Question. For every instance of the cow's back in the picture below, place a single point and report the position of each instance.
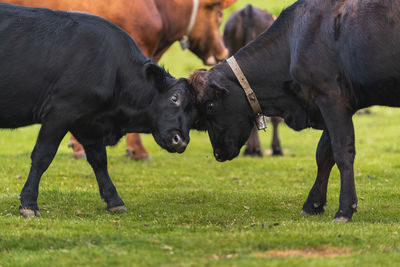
(47, 57)
(355, 41)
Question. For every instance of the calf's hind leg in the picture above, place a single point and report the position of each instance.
(317, 197)
(47, 143)
(97, 157)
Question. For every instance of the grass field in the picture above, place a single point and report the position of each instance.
(189, 210)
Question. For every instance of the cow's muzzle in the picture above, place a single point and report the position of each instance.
(222, 155)
(177, 143)
(214, 59)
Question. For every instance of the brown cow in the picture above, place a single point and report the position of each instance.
(155, 25)
(242, 27)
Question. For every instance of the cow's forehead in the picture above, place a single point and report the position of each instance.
(179, 87)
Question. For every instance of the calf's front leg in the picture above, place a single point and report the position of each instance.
(97, 157)
(338, 120)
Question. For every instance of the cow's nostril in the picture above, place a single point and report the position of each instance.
(177, 143)
(176, 139)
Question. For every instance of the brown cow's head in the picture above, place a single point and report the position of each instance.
(205, 39)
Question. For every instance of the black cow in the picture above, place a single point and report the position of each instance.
(243, 26)
(318, 64)
(80, 73)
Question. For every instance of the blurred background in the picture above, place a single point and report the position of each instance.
(182, 63)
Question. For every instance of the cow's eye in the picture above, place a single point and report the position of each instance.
(210, 107)
(220, 17)
(211, 6)
(174, 99)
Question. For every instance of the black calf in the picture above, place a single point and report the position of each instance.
(80, 73)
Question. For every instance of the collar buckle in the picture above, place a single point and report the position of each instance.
(261, 122)
(260, 119)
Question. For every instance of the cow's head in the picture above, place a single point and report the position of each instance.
(224, 110)
(205, 38)
(172, 111)
(227, 115)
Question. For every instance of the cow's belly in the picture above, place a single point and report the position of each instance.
(14, 114)
(18, 106)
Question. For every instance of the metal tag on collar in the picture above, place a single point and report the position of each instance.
(185, 42)
(261, 122)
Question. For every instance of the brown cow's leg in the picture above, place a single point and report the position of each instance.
(135, 148)
(276, 144)
(253, 147)
(79, 152)
(317, 197)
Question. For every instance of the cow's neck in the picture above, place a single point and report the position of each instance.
(175, 17)
(134, 104)
(266, 64)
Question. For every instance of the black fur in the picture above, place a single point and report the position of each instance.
(80, 73)
(320, 62)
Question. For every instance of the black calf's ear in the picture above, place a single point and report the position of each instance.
(155, 74)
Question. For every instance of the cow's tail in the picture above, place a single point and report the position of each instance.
(247, 24)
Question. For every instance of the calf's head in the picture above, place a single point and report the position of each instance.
(224, 109)
(172, 110)
(205, 38)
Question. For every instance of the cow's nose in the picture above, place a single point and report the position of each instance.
(210, 61)
(177, 144)
(219, 155)
(223, 55)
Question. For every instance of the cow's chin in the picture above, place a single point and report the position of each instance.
(161, 141)
(172, 141)
(222, 155)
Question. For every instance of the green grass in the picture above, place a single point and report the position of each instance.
(189, 210)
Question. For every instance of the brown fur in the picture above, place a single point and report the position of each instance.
(198, 81)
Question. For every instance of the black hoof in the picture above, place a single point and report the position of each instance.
(252, 153)
(118, 209)
(341, 220)
(345, 215)
(312, 209)
(29, 212)
(277, 152)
